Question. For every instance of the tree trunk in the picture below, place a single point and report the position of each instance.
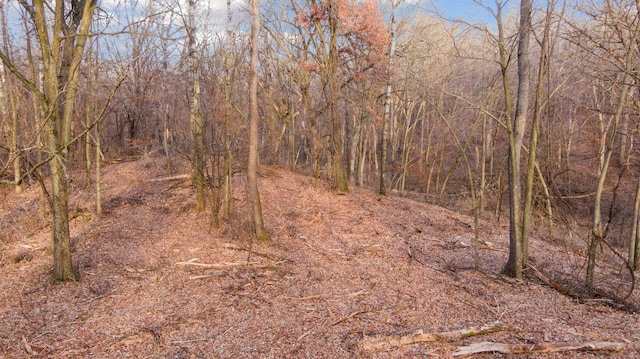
(292, 134)
(87, 136)
(9, 106)
(98, 164)
(543, 66)
(227, 171)
(517, 262)
(195, 113)
(339, 170)
(387, 103)
(252, 180)
(633, 246)
(62, 47)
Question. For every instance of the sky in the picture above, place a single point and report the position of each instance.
(466, 10)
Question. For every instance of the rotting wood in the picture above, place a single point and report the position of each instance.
(388, 341)
(488, 347)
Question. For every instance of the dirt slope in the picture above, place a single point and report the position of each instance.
(338, 268)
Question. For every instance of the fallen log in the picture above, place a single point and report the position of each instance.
(216, 265)
(561, 288)
(387, 341)
(171, 178)
(488, 347)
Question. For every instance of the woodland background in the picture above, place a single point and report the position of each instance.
(386, 94)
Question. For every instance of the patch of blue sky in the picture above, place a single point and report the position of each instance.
(472, 11)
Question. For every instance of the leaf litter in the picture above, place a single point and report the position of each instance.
(159, 280)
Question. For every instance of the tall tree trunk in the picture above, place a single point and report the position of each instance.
(89, 100)
(227, 171)
(96, 140)
(543, 66)
(305, 84)
(195, 113)
(517, 262)
(87, 138)
(336, 122)
(387, 102)
(252, 180)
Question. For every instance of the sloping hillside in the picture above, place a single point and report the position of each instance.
(341, 271)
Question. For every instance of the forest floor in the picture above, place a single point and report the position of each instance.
(340, 274)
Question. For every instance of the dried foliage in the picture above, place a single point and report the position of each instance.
(157, 280)
(359, 20)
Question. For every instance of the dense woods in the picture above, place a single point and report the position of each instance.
(526, 113)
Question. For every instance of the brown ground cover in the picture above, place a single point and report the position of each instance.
(159, 281)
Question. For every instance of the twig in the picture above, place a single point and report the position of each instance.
(349, 317)
(304, 335)
(188, 341)
(259, 254)
(319, 296)
(201, 276)
(27, 347)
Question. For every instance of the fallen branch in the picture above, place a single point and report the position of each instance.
(561, 288)
(319, 296)
(384, 341)
(488, 347)
(172, 178)
(216, 265)
(264, 255)
(349, 316)
(201, 276)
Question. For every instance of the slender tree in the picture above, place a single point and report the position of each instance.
(9, 106)
(252, 166)
(227, 188)
(195, 111)
(597, 227)
(387, 100)
(337, 125)
(516, 130)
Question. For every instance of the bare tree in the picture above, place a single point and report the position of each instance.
(598, 231)
(516, 129)
(9, 106)
(62, 40)
(387, 99)
(227, 188)
(252, 166)
(195, 111)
